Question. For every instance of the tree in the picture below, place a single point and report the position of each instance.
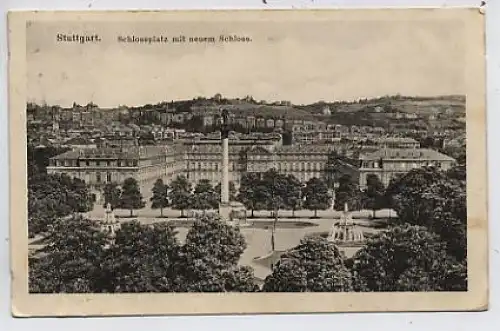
(274, 190)
(332, 171)
(403, 192)
(233, 194)
(112, 195)
(79, 197)
(180, 194)
(437, 200)
(458, 172)
(204, 196)
(54, 196)
(293, 198)
(347, 192)
(208, 261)
(38, 158)
(316, 265)
(373, 196)
(70, 258)
(448, 201)
(160, 196)
(316, 195)
(141, 259)
(251, 194)
(131, 197)
(406, 258)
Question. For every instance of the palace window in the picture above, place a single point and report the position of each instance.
(108, 177)
(98, 177)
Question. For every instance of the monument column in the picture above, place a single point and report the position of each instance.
(224, 197)
(224, 206)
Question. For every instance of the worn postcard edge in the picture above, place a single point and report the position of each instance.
(476, 298)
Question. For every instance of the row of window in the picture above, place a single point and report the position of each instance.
(400, 165)
(285, 156)
(293, 166)
(108, 163)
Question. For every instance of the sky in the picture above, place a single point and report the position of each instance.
(299, 61)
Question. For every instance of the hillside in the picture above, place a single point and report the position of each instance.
(419, 105)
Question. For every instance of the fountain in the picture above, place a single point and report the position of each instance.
(346, 232)
(109, 224)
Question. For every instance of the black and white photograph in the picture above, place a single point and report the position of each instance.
(251, 154)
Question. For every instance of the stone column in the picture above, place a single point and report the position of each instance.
(224, 197)
(224, 207)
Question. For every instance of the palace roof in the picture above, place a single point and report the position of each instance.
(305, 149)
(134, 152)
(406, 154)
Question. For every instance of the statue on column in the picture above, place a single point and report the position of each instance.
(224, 123)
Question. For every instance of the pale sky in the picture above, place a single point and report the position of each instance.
(303, 62)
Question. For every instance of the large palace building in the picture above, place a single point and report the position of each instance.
(388, 163)
(201, 159)
(99, 166)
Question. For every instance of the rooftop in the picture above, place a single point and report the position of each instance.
(305, 149)
(135, 152)
(405, 154)
(395, 140)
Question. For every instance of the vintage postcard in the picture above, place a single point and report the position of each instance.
(237, 162)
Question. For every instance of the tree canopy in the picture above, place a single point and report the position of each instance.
(250, 194)
(180, 194)
(407, 258)
(316, 194)
(233, 193)
(54, 196)
(204, 196)
(69, 259)
(315, 265)
(112, 195)
(159, 200)
(131, 197)
(347, 192)
(373, 196)
(293, 195)
(78, 258)
(141, 259)
(208, 260)
(434, 199)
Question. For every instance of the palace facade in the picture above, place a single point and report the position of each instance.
(202, 160)
(99, 166)
(387, 163)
